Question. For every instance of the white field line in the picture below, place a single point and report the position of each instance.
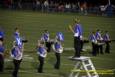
(30, 72)
(25, 58)
(85, 48)
(30, 59)
(65, 48)
(35, 72)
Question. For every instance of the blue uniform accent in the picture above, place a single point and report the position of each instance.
(78, 29)
(60, 36)
(57, 46)
(92, 37)
(106, 37)
(46, 36)
(41, 50)
(18, 39)
(16, 35)
(2, 49)
(2, 34)
(98, 36)
(14, 52)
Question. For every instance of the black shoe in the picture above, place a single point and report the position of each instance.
(14, 75)
(40, 71)
(56, 67)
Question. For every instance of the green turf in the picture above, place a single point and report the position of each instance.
(31, 26)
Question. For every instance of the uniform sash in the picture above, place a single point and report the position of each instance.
(16, 53)
(42, 51)
(57, 47)
(60, 36)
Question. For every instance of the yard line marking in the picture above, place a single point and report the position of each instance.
(23, 71)
(25, 58)
(65, 48)
(85, 48)
(35, 72)
(8, 60)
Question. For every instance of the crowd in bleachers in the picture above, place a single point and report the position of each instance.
(55, 6)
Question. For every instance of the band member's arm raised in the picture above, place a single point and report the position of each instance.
(71, 28)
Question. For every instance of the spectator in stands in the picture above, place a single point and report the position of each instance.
(37, 4)
(74, 7)
(61, 8)
(102, 9)
(19, 4)
(67, 7)
(83, 8)
(46, 6)
(109, 9)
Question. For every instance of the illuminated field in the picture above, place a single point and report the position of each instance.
(31, 26)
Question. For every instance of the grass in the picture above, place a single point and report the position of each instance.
(31, 26)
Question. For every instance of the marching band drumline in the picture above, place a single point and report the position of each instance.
(45, 44)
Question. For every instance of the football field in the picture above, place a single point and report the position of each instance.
(32, 24)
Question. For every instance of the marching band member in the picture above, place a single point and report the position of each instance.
(2, 49)
(106, 39)
(1, 35)
(94, 43)
(46, 38)
(100, 42)
(17, 52)
(60, 36)
(18, 39)
(57, 47)
(42, 52)
(77, 31)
